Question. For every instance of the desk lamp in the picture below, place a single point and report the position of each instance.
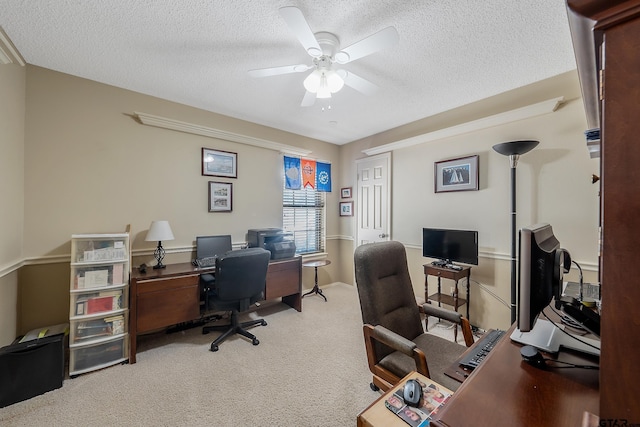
(514, 149)
(159, 230)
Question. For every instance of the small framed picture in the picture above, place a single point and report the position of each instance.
(220, 196)
(219, 163)
(346, 208)
(456, 174)
(345, 192)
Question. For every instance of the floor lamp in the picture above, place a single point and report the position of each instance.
(514, 149)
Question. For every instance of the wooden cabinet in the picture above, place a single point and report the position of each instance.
(99, 295)
(284, 279)
(616, 40)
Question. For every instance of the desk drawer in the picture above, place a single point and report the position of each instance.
(283, 278)
(155, 285)
(166, 306)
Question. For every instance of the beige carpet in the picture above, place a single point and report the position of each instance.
(310, 369)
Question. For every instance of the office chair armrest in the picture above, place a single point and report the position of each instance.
(396, 342)
(393, 340)
(442, 313)
(451, 316)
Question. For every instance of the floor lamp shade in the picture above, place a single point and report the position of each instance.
(159, 231)
(514, 149)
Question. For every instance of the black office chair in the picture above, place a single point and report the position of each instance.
(240, 278)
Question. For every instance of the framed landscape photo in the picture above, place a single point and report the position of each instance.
(219, 163)
(456, 174)
(345, 193)
(346, 208)
(220, 196)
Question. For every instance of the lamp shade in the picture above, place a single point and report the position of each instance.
(515, 147)
(159, 230)
(323, 82)
(312, 82)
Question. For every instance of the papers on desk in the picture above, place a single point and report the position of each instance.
(434, 396)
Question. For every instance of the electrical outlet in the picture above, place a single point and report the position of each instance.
(452, 290)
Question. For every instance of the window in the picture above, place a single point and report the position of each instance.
(303, 215)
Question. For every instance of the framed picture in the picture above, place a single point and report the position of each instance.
(346, 208)
(456, 174)
(219, 163)
(345, 193)
(220, 196)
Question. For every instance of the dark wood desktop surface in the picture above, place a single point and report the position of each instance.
(506, 391)
(169, 296)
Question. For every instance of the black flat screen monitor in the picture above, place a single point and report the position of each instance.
(450, 245)
(540, 273)
(212, 246)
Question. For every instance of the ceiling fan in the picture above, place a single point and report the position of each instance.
(325, 50)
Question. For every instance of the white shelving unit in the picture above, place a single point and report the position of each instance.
(99, 301)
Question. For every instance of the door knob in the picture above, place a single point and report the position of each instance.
(383, 235)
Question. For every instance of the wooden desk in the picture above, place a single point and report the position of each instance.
(442, 297)
(504, 390)
(168, 296)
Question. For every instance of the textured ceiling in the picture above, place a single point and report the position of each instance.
(198, 52)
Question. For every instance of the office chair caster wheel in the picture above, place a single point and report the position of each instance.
(255, 341)
(214, 347)
(374, 387)
(264, 323)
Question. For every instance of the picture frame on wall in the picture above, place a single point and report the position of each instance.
(220, 196)
(345, 192)
(219, 163)
(346, 208)
(459, 174)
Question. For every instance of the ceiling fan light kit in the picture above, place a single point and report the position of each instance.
(325, 50)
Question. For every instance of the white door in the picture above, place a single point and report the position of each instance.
(373, 199)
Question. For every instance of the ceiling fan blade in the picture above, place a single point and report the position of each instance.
(299, 26)
(308, 100)
(358, 83)
(274, 71)
(381, 40)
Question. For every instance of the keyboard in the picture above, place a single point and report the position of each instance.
(206, 262)
(482, 349)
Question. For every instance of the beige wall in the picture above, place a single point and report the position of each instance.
(553, 185)
(89, 167)
(12, 111)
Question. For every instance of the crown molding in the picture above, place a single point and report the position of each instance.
(8, 52)
(527, 112)
(171, 124)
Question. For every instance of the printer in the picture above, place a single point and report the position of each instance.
(278, 242)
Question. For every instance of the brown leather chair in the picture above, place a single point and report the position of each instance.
(395, 339)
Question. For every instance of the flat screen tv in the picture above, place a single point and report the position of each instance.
(449, 246)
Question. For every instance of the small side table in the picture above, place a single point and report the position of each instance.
(443, 298)
(315, 265)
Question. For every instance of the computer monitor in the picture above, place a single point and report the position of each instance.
(539, 274)
(212, 246)
(450, 245)
(542, 264)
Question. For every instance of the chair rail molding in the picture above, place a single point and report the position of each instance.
(529, 111)
(171, 124)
